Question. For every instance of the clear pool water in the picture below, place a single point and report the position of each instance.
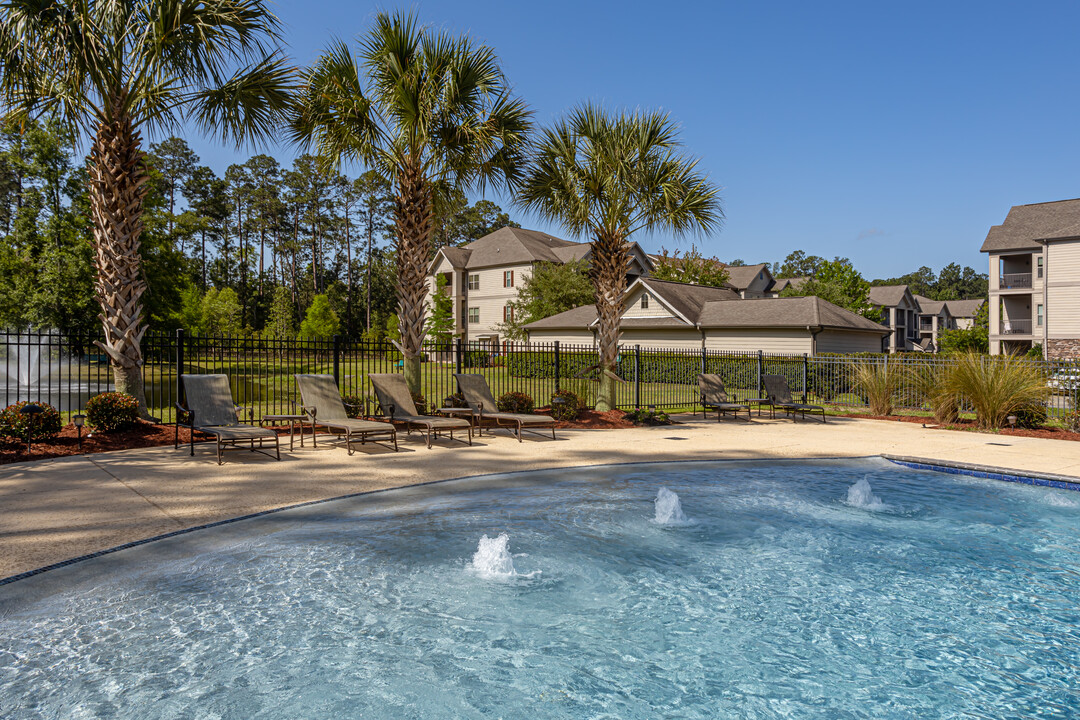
(777, 594)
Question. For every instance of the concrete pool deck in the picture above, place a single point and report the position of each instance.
(54, 510)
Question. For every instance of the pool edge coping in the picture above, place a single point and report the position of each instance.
(1065, 482)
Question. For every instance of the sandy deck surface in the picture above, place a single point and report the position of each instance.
(54, 510)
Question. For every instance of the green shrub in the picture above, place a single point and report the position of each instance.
(112, 412)
(515, 402)
(1031, 417)
(15, 425)
(569, 409)
(1072, 421)
(996, 387)
(641, 416)
(931, 382)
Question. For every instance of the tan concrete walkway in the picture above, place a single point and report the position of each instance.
(54, 510)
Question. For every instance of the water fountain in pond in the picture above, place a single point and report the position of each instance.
(493, 559)
(34, 367)
(860, 495)
(668, 508)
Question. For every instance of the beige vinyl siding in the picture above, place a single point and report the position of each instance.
(841, 341)
(492, 297)
(655, 309)
(565, 337)
(1062, 290)
(662, 339)
(773, 341)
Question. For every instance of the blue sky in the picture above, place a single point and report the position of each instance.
(892, 133)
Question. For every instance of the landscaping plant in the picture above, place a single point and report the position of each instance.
(878, 382)
(642, 416)
(515, 402)
(996, 387)
(932, 383)
(569, 409)
(354, 405)
(112, 412)
(15, 424)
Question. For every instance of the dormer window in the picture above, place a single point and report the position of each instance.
(645, 301)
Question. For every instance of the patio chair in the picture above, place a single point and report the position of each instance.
(779, 396)
(396, 403)
(322, 402)
(478, 397)
(210, 409)
(715, 397)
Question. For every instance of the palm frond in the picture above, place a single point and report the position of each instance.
(250, 105)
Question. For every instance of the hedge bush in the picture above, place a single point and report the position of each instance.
(354, 405)
(569, 409)
(641, 416)
(112, 412)
(515, 402)
(43, 425)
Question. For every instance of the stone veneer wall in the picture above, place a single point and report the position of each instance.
(1063, 349)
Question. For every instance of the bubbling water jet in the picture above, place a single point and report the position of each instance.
(492, 559)
(668, 508)
(860, 495)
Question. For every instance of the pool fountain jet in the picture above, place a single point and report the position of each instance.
(860, 495)
(668, 508)
(493, 559)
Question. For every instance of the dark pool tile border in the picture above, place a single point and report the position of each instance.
(987, 472)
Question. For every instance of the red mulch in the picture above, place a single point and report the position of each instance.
(593, 420)
(1049, 433)
(143, 434)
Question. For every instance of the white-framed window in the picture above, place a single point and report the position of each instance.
(1039, 266)
(474, 281)
(508, 313)
(508, 278)
(474, 315)
(645, 301)
(1039, 311)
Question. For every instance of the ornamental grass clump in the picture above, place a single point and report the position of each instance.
(931, 382)
(18, 425)
(997, 387)
(515, 402)
(878, 382)
(112, 412)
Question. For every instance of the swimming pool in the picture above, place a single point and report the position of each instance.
(813, 589)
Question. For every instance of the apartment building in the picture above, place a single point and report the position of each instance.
(484, 277)
(1034, 261)
(900, 313)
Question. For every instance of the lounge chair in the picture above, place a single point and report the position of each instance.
(396, 403)
(779, 396)
(210, 409)
(322, 402)
(485, 410)
(714, 397)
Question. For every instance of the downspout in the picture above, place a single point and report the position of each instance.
(813, 338)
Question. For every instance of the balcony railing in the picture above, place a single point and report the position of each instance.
(1015, 327)
(1014, 281)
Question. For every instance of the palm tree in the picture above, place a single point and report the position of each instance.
(607, 176)
(426, 110)
(111, 68)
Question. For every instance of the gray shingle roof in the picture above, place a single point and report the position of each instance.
(515, 246)
(722, 308)
(785, 313)
(458, 257)
(784, 283)
(740, 276)
(887, 295)
(1026, 224)
(965, 308)
(687, 299)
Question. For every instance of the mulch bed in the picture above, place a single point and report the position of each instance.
(1049, 433)
(143, 434)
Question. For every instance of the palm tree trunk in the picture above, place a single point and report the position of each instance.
(413, 215)
(117, 190)
(610, 260)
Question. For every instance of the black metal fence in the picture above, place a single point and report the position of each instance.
(65, 371)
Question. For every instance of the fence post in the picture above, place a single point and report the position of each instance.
(760, 371)
(805, 375)
(637, 377)
(457, 355)
(179, 364)
(337, 360)
(558, 368)
(703, 360)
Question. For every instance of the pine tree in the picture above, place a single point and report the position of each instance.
(281, 325)
(321, 322)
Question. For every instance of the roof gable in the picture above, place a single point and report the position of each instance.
(740, 277)
(891, 295)
(1026, 225)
